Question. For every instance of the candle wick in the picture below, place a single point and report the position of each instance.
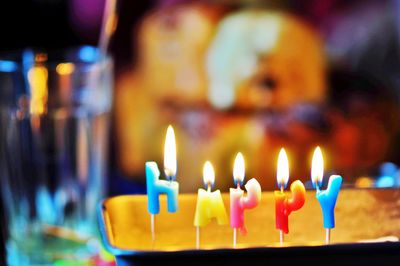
(238, 185)
(282, 188)
(168, 174)
(170, 178)
(209, 187)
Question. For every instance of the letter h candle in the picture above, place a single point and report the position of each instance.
(155, 186)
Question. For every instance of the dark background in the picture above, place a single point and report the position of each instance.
(55, 24)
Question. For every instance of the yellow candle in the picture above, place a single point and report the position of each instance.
(209, 204)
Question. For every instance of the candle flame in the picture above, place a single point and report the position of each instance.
(238, 168)
(282, 173)
(208, 174)
(317, 167)
(170, 154)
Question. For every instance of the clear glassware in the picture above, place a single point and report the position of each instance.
(54, 123)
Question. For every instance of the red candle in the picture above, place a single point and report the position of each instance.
(284, 204)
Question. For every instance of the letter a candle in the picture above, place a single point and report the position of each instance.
(328, 197)
(283, 204)
(155, 186)
(209, 204)
(238, 203)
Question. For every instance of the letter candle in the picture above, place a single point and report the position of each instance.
(155, 186)
(327, 198)
(283, 204)
(238, 203)
(209, 204)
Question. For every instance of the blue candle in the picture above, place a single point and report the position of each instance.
(327, 198)
(155, 187)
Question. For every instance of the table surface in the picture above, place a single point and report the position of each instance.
(361, 214)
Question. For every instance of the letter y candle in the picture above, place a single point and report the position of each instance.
(327, 198)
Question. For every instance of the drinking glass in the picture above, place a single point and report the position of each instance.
(54, 121)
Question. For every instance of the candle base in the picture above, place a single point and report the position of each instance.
(234, 237)
(281, 237)
(197, 237)
(327, 236)
(152, 228)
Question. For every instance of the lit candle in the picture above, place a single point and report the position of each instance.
(238, 203)
(209, 204)
(155, 186)
(327, 198)
(283, 204)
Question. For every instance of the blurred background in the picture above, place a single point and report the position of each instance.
(250, 76)
(238, 75)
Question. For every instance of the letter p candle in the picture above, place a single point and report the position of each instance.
(238, 202)
(284, 204)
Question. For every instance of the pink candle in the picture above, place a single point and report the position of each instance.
(239, 202)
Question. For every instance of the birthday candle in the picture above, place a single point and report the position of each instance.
(327, 198)
(238, 202)
(155, 186)
(209, 204)
(284, 204)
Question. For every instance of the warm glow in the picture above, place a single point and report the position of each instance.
(282, 173)
(238, 168)
(37, 77)
(170, 154)
(317, 167)
(40, 57)
(65, 68)
(208, 174)
(364, 182)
